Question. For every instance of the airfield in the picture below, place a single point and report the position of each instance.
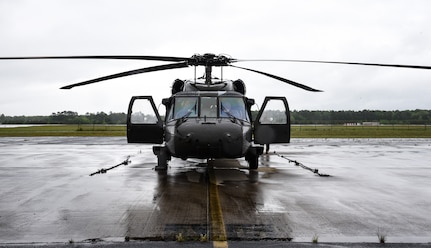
(370, 189)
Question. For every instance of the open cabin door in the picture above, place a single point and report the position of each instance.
(272, 124)
(144, 124)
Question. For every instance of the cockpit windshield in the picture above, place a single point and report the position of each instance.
(232, 107)
(185, 107)
(208, 107)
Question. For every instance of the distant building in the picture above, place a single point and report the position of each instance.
(371, 123)
(352, 124)
(365, 123)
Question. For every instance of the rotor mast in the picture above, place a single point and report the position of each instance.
(209, 60)
(208, 71)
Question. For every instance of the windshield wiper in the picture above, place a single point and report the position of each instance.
(186, 116)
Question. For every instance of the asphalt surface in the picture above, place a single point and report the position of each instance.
(375, 187)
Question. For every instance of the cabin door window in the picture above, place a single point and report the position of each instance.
(144, 124)
(272, 124)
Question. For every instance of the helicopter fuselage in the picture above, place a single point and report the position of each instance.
(208, 124)
(207, 121)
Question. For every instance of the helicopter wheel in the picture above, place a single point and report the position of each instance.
(252, 157)
(253, 161)
(162, 159)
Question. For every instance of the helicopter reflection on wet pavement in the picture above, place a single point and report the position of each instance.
(47, 194)
(184, 203)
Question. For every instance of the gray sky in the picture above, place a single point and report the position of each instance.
(376, 31)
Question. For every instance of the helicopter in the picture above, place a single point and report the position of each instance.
(206, 117)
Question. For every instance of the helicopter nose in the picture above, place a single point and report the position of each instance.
(210, 138)
(209, 141)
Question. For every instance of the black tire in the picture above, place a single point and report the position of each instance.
(162, 160)
(253, 161)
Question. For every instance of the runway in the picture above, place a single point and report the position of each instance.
(376, 187)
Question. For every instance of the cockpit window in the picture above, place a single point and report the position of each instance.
(185, 107)
(233, 107)
(208, 106)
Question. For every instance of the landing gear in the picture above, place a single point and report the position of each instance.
(253, 161)
(252, 157)
(163, 156)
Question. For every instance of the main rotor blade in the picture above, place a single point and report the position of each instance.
(305, 87)
(128, 57)
(129, 73)
(338, 62)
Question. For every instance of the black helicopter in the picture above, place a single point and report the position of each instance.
(207, 118)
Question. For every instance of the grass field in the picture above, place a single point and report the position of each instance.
(303, 131)
(340, 131)
(63, 130)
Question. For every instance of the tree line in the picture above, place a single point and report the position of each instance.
(408, 117)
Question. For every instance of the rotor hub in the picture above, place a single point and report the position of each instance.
(209, 59)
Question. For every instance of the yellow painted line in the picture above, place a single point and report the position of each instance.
(218, 230)
(220, 244)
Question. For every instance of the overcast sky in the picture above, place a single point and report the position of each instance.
(376, 31)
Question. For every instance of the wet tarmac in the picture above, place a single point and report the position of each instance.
(376, 187)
